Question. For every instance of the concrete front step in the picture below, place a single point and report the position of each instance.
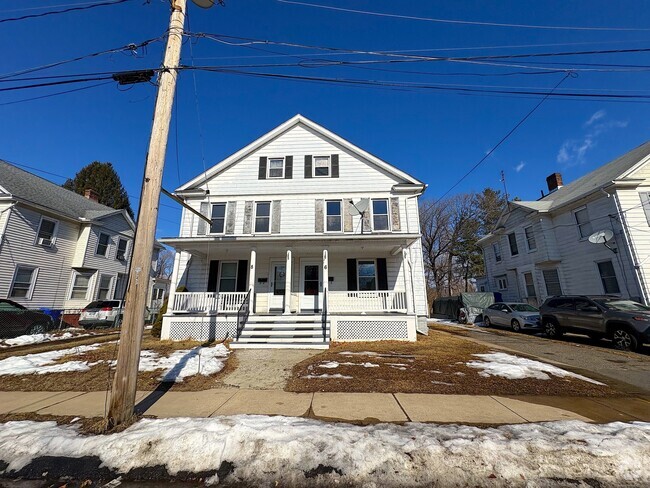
(293, 319)
(279, 345)
(282, 331)
(279, 338)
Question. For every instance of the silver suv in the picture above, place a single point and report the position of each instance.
(624, 321)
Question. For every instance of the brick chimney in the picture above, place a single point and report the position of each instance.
(91, 194)
(554, 181)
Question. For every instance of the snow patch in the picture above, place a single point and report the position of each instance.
(44, 362)
(516, 368)
(442, 383)
(27, 339)
(326, 376)
(334, 364)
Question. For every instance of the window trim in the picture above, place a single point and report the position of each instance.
(108, 244)
(578, 225)
(236, 263)
(372, 215)
(270, 217)
(329, 167)
(126, 249)
(32, 284)
(514, 234)
(225, 216)
(498, 279)
(374, 262)
(76, 273)
(340, 215)
(268, 167)
(602, 283)
(110, 286)
(532, 236)
(497, 257)
(55, 232)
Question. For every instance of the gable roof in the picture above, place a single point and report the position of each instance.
(282, 128)
(30, 188)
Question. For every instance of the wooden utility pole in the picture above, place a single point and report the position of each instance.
(128, 356)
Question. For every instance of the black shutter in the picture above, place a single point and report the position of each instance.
(261, 175)
(335, 165)
(352, 275)
(382, 274)
(288, 167)
(213, 276)
(242, 274)
(308, 167)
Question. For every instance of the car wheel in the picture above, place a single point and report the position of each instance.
(37, 329)
(486, 321)
(624, 340)
(552, 329)
(516, 326)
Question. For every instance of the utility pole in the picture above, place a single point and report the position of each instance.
(128, 356)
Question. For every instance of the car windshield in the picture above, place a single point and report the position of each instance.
(523, 307)
(621, 305)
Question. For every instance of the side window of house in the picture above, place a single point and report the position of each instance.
(104, 289)
(367, 275)
(276, 168)
(530, 238)
(218, 217)
(322, 166)
(380, 214)
(552, 281)
(512, 240)
(334, 219)
(582, 221)
(122, 244)
(263, 217)
(46, 232)
(103, 241)
(608, 277)
(530, 285)
(502, 282)
(496, 247)
(80, 283)
(24, 281)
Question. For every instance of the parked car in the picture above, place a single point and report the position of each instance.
(101, 313)
(518, 316)
(16, 320)
(626, 322)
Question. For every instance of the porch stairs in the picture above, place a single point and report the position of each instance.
(284, 332)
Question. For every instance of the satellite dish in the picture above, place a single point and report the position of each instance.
(204, 3)
(359, 207)
(601, 236)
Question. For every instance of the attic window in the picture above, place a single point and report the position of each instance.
(321, 166)
(276, 168)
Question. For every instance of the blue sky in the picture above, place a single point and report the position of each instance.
(435, 135)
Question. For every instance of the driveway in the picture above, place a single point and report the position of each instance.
(577, 352)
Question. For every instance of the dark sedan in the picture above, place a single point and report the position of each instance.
(16, 320)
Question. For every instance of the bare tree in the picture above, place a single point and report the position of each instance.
(165, 264)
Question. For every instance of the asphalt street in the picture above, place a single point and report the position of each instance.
(578, 352)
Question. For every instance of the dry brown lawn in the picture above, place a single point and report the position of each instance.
(433, 364)
(99, 376)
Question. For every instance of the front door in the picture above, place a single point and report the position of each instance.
(310, 287)
(277, 284)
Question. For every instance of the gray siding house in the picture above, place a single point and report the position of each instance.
(541, 248)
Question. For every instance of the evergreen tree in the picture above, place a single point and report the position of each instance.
(102, 178)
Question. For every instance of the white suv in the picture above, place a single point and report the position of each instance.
(101, 313)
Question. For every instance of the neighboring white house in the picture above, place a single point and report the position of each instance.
(59, 250)
(541, 248)
(287, 260)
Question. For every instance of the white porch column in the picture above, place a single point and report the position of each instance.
(406, 268)
(251, 272)
(287, 285)
(326, 278)
(174, 283)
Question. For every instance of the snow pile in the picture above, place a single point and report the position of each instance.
(282, 451)
(187, 362)
(516, 368)
(24, 340)
(44, 362)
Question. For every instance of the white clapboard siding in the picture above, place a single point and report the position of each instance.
(638, 229)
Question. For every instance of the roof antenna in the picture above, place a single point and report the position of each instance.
(505, 188)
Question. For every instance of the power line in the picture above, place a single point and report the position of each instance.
(64, 11)
(504, 138)
(463, 22)
(56, 94)
(43, 7)
(54, 83)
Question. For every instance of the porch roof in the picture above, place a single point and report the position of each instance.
(203, 244)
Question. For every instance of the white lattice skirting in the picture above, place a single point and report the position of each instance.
(373, 329)
(204, 329)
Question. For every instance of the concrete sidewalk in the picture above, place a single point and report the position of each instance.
(350, 407)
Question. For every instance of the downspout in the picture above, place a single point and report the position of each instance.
(630, 245)
(3, 230)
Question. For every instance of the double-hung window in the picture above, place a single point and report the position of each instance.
(530, 238)
(322, 166)
(367, 275)
(103, 242)
(380, 214)
(582, 220)
(24, 280)
(552, 281)
(334, 219)
(608, 277)
(496, 247)
(530, 285)
(104, 288)
(122, 244)
(218, 218)
(502, 282)
(263, 217)
(46, 232)
(228, 277)
(512, 240)
(276, 168)
(80, 283)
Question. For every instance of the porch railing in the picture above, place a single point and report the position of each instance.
(208, 301)
(242, 314)
(366, 301)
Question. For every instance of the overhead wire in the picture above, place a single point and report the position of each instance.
(64, 11)
(49, 95)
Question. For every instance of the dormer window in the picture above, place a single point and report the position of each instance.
(276, 168)
(322, 165)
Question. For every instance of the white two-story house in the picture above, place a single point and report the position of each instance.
(542, 248)
(308, 239)
(59, 250)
